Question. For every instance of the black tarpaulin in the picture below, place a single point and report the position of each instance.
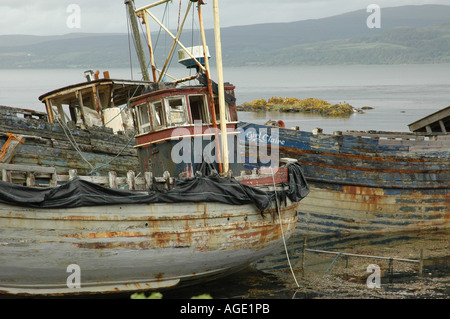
(78, 193)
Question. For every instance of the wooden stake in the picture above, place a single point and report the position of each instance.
(303, 256)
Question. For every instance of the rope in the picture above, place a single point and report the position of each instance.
(103, 165)
(329, 267)
(74, 143)
(282, 232)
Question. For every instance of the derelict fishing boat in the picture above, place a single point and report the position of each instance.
(80, 237)
(372, 181)
(87, 127)
(125, 241)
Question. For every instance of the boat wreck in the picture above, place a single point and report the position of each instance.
(370, 181)
(92, 234)
(87, 127)
(124, 241)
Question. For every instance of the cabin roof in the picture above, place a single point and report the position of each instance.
(121, 89)
(436, 122)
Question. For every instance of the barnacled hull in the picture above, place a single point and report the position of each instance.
(122, 248)
(369, 182)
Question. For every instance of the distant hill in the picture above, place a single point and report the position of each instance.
(408, 34)
(402, 45)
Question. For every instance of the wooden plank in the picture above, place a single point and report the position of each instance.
(430, 119)
(28, 168)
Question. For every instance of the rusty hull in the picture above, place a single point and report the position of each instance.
(133, 247)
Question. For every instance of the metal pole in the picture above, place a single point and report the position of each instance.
(220, 83)
(365, 256)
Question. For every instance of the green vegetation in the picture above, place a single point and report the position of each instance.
(294, 105)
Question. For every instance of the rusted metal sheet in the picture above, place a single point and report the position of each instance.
(363, 182)
(133, 247)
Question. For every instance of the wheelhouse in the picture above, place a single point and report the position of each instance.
(180, 107)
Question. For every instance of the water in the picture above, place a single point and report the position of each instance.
(399, 94)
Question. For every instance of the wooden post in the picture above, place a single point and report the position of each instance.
(303, 257)
(166, 176)
(148, 176)
(112, 180)
(51, 116)
(220, 83)
(137, 39)
(421, 263)
(131, 180)
(149, 43)
(30, 179)
(346, 268)
(391, 269)
(54, 179)
(210, 100)
(73, 173)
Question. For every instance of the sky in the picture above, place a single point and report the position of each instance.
(57, 17)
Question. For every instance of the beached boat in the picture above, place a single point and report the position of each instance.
(93, 135)
(80, 237)
(371, 181)
(123, 241)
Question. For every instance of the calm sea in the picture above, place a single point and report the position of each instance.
(399, 94)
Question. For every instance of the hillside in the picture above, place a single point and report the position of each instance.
(401, 45)
(409, 34)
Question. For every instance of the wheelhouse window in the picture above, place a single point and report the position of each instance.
(176, 110)
(227, 110)
(158, 115)
(199, 108)
(143, 118)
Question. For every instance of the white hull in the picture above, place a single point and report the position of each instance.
(132, 247)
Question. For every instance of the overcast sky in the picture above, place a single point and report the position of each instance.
(50, 17)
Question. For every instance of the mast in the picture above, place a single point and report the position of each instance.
(209, 85)
(137, 39)
(220, 83)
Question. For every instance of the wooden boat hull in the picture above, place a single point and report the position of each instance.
(364, 183)
(49, 144)
(357, 209)
(124, 248)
